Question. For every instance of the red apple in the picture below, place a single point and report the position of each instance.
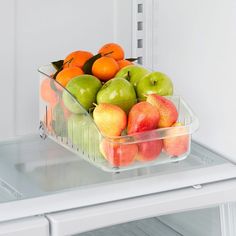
(142, 116)
(149, 151)
(118, 154)
(178, 144)
(166, 108)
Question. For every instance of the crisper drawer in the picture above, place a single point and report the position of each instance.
(94, 217)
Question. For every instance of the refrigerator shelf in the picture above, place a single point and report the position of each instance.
(44, 171)
(36, 167)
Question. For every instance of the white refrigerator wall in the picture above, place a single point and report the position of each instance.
(195, 43)
(37, 32)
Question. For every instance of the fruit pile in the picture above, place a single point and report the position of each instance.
(125, 99)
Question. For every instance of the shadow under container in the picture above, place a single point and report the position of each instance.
(79, 134)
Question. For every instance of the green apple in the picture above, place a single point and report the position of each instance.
(118, 91)
(59, 122)
(83, 89)
(84, 134)
(132, 73)
(155, 82)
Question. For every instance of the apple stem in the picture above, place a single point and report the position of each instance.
(154, 82)
(128, 75)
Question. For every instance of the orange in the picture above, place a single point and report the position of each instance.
(105, 68)
(47, 93)
(123, 63)
(77, 59)
(64, 76)
(113, 50)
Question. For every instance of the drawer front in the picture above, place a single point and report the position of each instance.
(37, 226)
(94, 217)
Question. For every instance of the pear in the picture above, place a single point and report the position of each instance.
(142, 117)
(166, 108)
(110, 119)
(149, 151)
(177, 144)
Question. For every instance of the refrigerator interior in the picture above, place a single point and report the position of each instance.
(193, 42)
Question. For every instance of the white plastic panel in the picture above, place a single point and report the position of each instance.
(194, 42)
(37, 226)
(7, 60)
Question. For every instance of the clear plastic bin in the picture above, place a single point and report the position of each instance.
(79, 134)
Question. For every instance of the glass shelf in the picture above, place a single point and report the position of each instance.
(6, 193)
(34, 167)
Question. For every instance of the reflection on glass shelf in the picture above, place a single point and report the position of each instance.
(35, 167)
(7, 193)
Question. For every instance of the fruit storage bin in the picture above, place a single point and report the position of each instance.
(79, 134)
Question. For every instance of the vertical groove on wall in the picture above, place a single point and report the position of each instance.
(15, 70)
(153, 14)
(155, 36)
(139, 29)
(142, 35)
(115, 20)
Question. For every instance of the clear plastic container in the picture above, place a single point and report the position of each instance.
(79, 134)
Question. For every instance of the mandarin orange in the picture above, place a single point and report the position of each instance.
(47, 93)
(113, 50)
(105, 68)
(64, 76)
(123, 63)
(77, 59)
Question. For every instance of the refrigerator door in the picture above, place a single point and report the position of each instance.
(37, 226)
